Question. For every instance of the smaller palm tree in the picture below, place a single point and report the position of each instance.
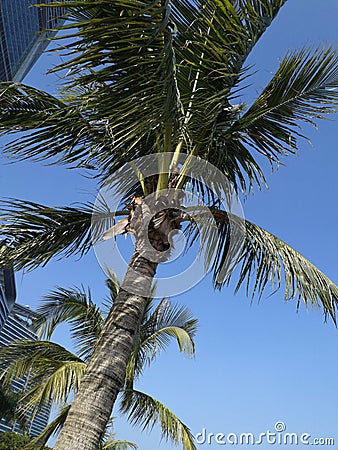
(56, 372)
(107, 440)
(8, 404)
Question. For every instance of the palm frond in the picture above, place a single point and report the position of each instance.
(76, 307)
(35, 233)
(145, 412)
(173, 62)
(53, 128)
(159, 326)
(52, 429)
(213, 41)
(59, 385)
(8, 403)
(113, 286)
(119, 445)
(304, 88)
(263, 259)
(18, 357)
(123, 53)
(54, 372)
(172, 320)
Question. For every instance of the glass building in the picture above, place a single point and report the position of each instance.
(18, 326)
(23, 29)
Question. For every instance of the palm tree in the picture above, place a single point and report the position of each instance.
(10, 408)
(8, 404)
(56, 372)
(107, 440)
(161, 77)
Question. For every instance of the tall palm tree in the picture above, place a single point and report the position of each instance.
(56, 373)
(149, 77)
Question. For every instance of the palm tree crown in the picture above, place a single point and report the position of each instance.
(178, 64)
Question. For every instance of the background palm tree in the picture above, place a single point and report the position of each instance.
(15, 441)
(10, 408)
(108, 441)
(152, 77)
(55, 372)
(8, 404)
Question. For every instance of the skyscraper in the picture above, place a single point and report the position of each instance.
(18, 326)
(22, 35)
(15, 323)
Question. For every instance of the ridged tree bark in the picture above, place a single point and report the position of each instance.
(106, 369)
(105, 374)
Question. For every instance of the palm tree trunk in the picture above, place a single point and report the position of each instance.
(105, 372)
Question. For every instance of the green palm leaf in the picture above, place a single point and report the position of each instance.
(53, 428)
(54, 128)
(157, 329)
(145, 412)
(173, 62)
(54, 371)
(8, 403)
(213, 41)
(113, 285)
(264, 259)
(304, 88)
(122, 42)
(76, 307)
(193, 54)
(118, 445)
(35, 233)
(166, 321)
(110, 35)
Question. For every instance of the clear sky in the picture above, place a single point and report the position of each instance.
(256, 364)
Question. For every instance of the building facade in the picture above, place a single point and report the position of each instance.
(23, 32)
(18, 326)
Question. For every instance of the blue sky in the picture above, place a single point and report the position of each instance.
(256, 363)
